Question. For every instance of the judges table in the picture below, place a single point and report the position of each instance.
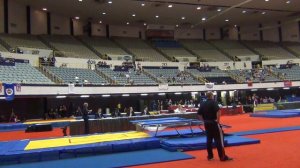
(230, 110)
(120, 123)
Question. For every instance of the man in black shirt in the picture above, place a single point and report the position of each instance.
(210, 114)
(85, 116)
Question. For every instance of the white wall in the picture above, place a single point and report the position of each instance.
(16, 17)
(60, 25)
(213, 34)
(1, 16)
(290, 32)
(249, 33)
(98, 29)
(124, 31)
(38, 22)
(270, 32)
(188, 34)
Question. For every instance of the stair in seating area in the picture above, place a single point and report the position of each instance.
(103, 75)
(5, 45)
(90, 47)
(289, 50)
(49, 75)
(220, 50)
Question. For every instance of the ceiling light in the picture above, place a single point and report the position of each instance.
(227, 20)
(61, 97)
(85, 96)
(161, 94)
(44, 9)
(144, 94)
(77, 17)
(125, 95)
(105, 95)
(253, 90)
(199, 8)
(177, 25)
(142, 4)
(288, 2)
(286, 88)
(103, 13)
(157, 16)
(127, 23)
(244, 11)
(203, 19)
(145, 24)
(80, 0)
(178, 93)
(110, 2)
(219, 10)
(133, 15)
(170, 6)
(270, 88)
(183, 18)
(100, 21)
(267, 0)
(263, 13)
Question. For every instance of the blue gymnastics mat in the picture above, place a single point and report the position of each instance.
(182, 132)
(276, 114)
(111, 160)
(264, 131)
(196, 143)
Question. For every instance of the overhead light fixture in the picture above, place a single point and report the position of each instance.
(103, 13)
(157, 16)
(203, 19)
(288, 2)
(133, 15)
(244, 11)
(253, 90)
(105, 95)
(142, 4)
(110, 2)
(177, 25)
(80, 0)
(145, 24)
(182, 17)
(77, 17)
(267, 0)
(61, 97)
(227, 20)
(170, 6)
(270, 88)
(263, 13)
(178, 93)
(199, 8)
(144, 94)
(127, 23)
(85, 96)
(161, 94)
(44, 9)
(125, 95)
(219, 10)
(286, 88)
(100, 21)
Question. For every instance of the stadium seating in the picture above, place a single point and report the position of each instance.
(259, 75)
(69, 46)
(233, 48)
(214, 75)
(173, 49)
(288, 73)
(133, 78)
(171, 75)
(2, 49)
(204, 50)
(103, 45)
(23, 40)
(269, 50)
(68, 75)
(22, 73)
(293, 46)
(141, 49)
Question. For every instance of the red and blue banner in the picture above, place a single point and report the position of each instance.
(9, 91)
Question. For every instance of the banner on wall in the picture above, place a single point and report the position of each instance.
(9, 91)
(287, 83)
(209, 86)
(18, 87)
(71, 88)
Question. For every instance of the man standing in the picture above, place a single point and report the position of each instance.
(209, 112)
(85, 116)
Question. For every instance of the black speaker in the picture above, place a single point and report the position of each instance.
(39, 128)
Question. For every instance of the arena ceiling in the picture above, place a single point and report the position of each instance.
(189, 13)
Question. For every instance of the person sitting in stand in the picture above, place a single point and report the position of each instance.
(146, 111)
